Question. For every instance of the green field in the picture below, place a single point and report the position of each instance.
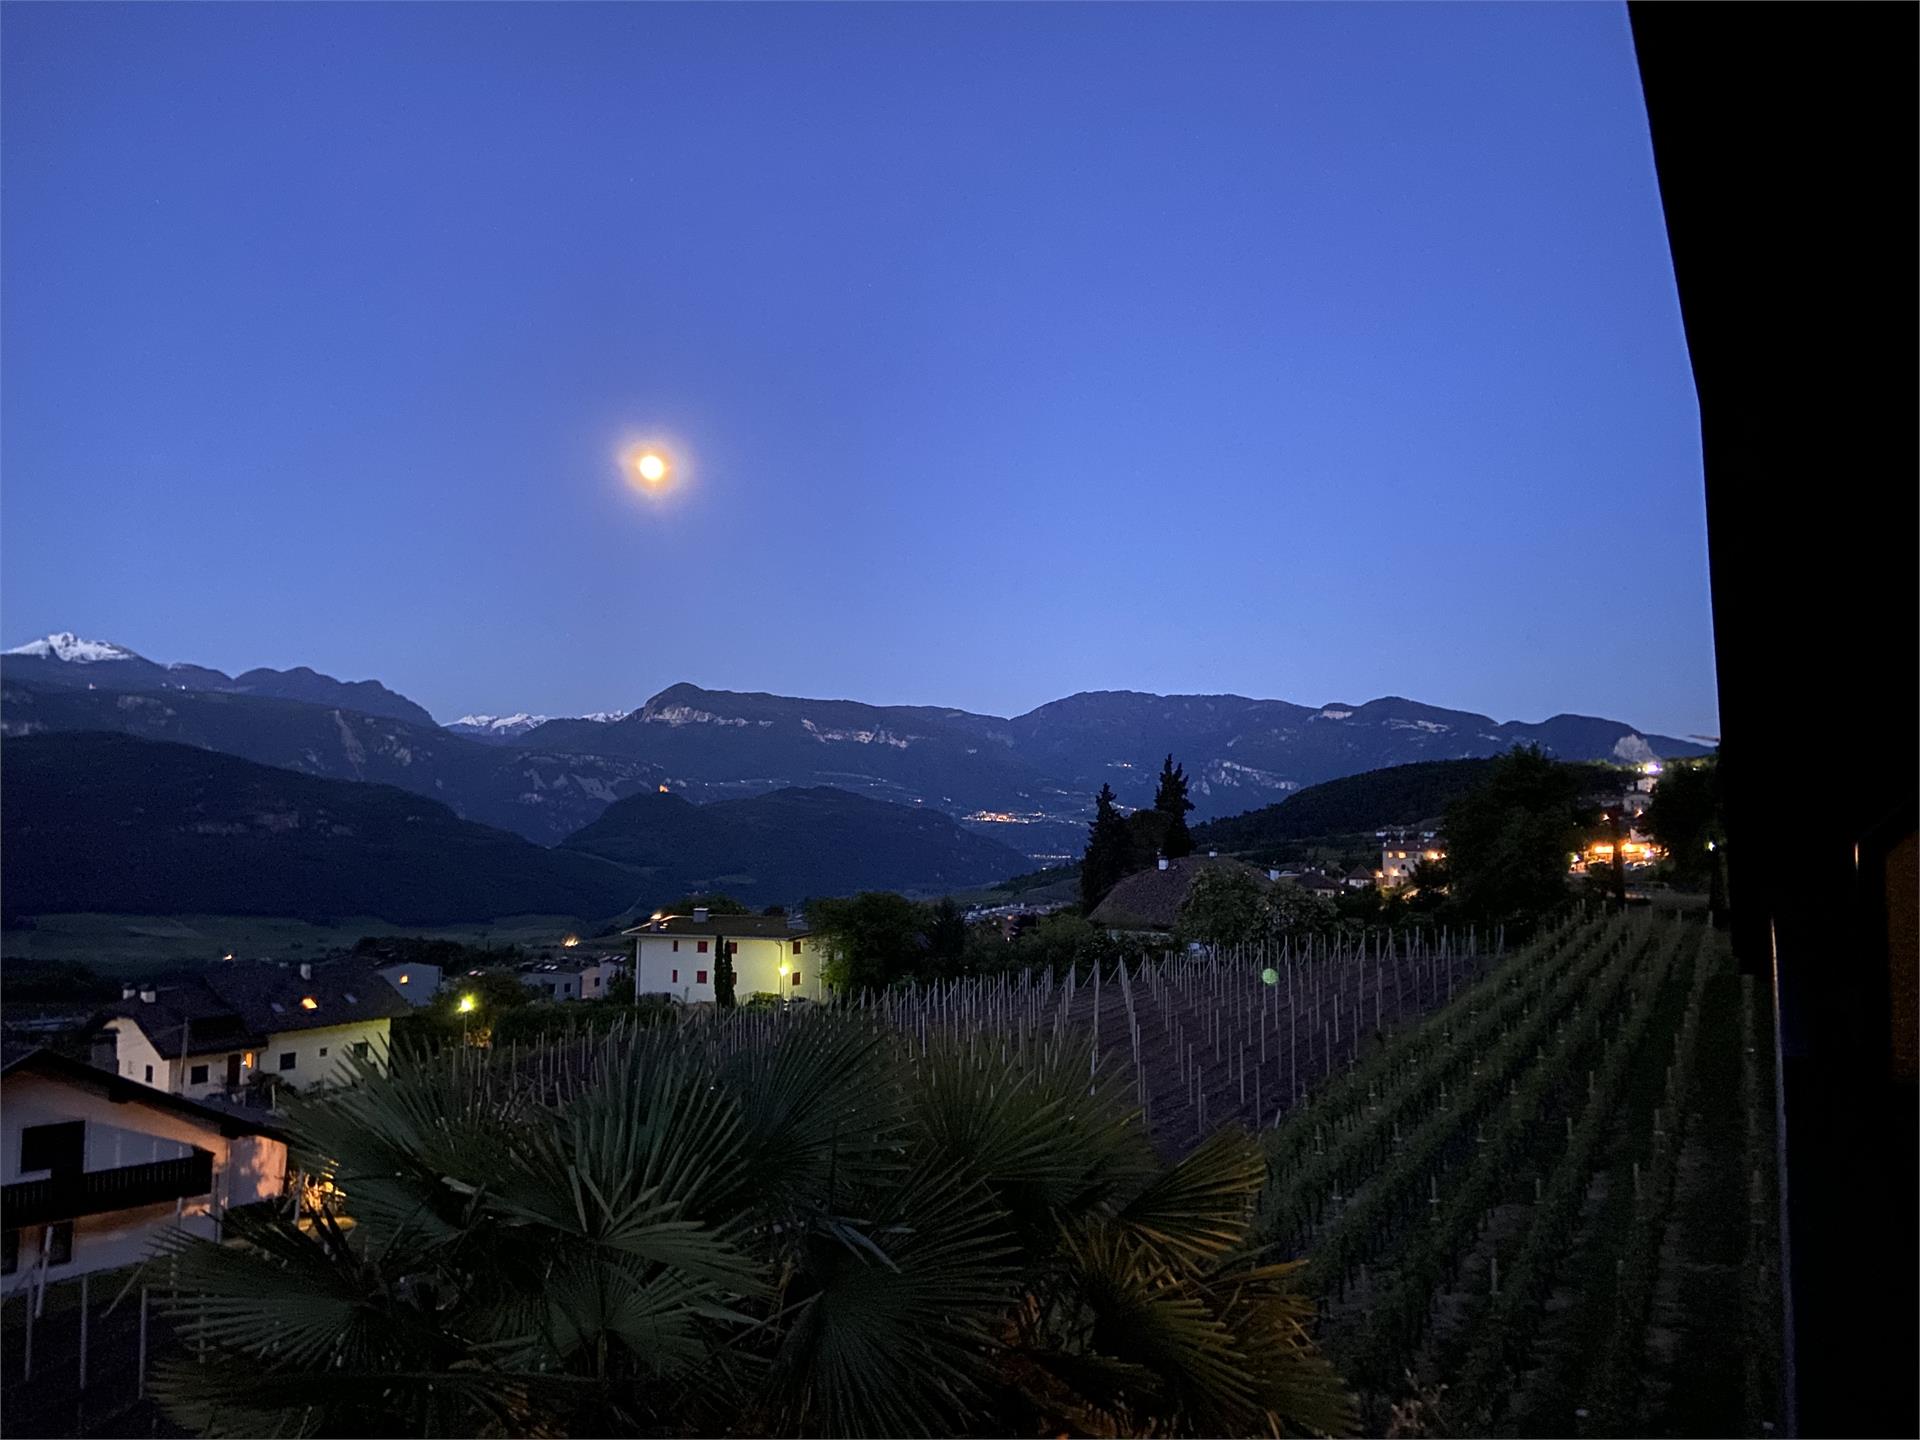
(117, 945)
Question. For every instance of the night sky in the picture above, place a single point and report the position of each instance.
(1312, 352)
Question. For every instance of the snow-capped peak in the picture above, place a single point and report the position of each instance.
(65, 645)
(499, 724)
(522, 722)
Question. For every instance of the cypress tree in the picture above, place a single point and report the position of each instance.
(1171, 801)
(722, 975)
(1105, 861)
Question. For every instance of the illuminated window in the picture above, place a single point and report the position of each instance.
(307, 1002)
(247, 1059)
(403, 979)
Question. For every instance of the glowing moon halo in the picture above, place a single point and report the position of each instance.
(652, 468)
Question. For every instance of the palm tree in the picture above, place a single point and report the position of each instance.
(696, 1230)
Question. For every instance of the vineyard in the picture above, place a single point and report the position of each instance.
(1537, 1209)
(1532, 1188)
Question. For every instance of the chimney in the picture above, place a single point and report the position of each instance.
(1163, 862)
(146, 997)
(699, 914)
(306, 971)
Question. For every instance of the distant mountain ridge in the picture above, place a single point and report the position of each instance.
(1027, 779)
(65, 660)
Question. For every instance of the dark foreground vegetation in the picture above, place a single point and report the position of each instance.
(674, 1232)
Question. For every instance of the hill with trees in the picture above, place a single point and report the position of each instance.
(1373, 800)
(790, 844)
(95, 822)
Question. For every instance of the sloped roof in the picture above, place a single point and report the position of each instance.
(1151, 899)
(228, 1121)
(237, 1005)
(735, 927)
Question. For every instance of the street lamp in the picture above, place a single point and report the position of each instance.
(466, 1008)
(785, 970)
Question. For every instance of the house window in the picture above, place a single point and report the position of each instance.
(60, 1244)
(699, 977)
(360, 1048)
(288, 1059)
(676, 947)
(10, 1254)
(733, 947)
(59, 1147)
(796, 947)
(197, 1075)
(149, 1074)
(796, 977)
(676, 977)
(323, 1052)
(701, 946)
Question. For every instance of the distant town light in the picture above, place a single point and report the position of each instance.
(665, 791)
(571, 941)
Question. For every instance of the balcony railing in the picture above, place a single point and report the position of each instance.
(99, 1192)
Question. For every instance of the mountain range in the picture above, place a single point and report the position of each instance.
(1027, 779)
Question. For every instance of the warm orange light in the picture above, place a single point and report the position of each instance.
(307, 1002)
(571, 941)
(664, 790)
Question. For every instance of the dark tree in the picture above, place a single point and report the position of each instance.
(1685, 817)
(1171, 801)
(723, 975)
(1508, 842)
(871, 939)
(1107, 857)
(946, 938)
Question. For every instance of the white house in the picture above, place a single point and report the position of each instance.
(416, 984)
(94, 1166)
(212, 1034)
(589, 979)
(772, 954)
(1402, 850)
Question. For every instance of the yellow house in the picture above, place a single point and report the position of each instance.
(678, 955)
(212, 1034)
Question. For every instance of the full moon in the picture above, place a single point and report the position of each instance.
(652, 468)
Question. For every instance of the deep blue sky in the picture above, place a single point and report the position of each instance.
(1316, 352)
